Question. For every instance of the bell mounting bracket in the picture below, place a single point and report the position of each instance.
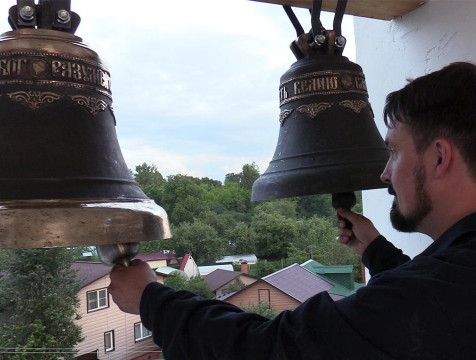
(47, 14)
(318, 40)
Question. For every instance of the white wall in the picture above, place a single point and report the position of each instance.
(436, 34)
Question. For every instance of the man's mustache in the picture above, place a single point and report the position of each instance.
(391, 190)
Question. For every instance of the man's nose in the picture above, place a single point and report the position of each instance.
(385, 176)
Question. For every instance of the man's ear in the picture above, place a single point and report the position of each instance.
(443, 153)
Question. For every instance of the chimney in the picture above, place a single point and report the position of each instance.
(244, 267)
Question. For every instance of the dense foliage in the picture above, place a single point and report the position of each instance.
(263, 309)
(39, 298)
(211, 219)
(196, 285)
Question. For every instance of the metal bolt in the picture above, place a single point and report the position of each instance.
(340, 41)
(63, 16)
(27, 13)
(320, 39)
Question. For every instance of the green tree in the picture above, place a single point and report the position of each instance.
(284, 207)
(210, 182)
(274, 233)
(147, 175)
(264, 267)
(315, 232)
(183, 198)
(40, 293)
(317, 240)
(150, 181)
(178, 281)
(263, 309)
(230, 197)
(200, 239)
(197, 285)
(242, 238)
(249, 173)
(235, 286)
(315, 205)
(221, 222)
(232, 178)
(297, 256)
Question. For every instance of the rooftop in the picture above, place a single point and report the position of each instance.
(204, 270)
(220, 277)
(89, 271)
(239, 259)
(340, 276)
(299, 283)
(155, 256)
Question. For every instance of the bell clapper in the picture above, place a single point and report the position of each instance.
(344, 200)
(118, 254)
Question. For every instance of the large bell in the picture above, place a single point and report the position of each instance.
(328, 141)
(63, 179)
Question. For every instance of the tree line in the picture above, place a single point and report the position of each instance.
(211, 219)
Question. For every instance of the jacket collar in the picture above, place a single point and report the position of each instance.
(452, 235)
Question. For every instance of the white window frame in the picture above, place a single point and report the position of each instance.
(110, 335)
(98, 299)
(144, 332)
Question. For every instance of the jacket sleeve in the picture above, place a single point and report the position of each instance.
(187, 327)
(381, 255)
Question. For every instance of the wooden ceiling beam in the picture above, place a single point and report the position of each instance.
(376, 9)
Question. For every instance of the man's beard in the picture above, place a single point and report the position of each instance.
(411, 221)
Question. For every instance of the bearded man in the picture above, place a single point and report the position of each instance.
(420, 308)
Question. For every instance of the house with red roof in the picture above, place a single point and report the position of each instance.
(285, 289)
(158, 259)
(189, 266)
(108, 332)
(220, 280)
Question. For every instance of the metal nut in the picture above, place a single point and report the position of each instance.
(63, 16)
(27, 13)
(320, 39)
(340, 41)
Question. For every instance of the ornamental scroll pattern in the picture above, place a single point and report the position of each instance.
(34, 99)
(355, 105)
(312, 110)
(91, 104)
(283, 115)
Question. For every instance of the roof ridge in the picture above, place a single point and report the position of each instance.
(280, 270)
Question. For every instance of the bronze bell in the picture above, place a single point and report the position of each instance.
(63, 179)
(328, 142)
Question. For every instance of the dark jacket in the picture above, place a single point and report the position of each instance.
(423, 308)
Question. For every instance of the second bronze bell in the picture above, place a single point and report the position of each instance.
(328, 140)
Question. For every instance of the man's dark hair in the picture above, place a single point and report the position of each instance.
(440, 104)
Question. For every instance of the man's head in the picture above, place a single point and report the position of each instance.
(439, 107)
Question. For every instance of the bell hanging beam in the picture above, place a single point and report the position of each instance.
(328, 141)
(63, 179)
(376, 9)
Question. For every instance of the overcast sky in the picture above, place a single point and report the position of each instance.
(194, 83)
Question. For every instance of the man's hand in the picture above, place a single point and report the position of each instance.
(362, 233)
(128, 284)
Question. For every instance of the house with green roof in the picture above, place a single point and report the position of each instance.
(340, 276)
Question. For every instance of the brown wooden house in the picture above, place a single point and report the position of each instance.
(285, 289)
(220, 280)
